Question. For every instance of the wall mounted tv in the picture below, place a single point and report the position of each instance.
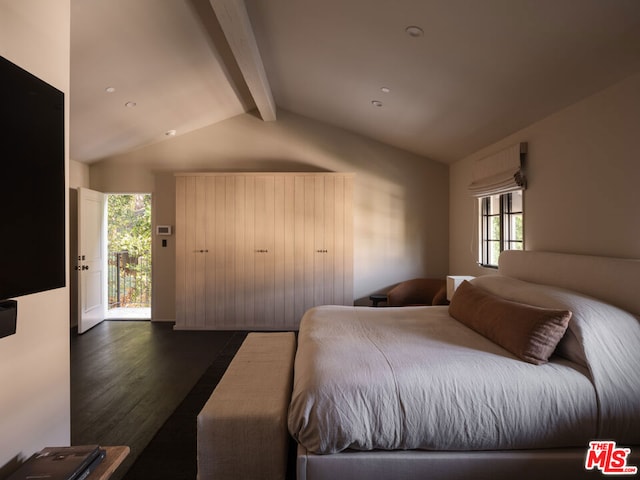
(32, 184)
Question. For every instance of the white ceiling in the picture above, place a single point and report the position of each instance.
(482, 70)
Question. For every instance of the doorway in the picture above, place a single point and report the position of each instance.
(129, 256)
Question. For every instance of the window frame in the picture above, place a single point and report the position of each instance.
(507, 234)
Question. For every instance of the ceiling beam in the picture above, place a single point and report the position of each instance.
(234, 20)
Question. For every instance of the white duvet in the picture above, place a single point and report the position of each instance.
(415, 378)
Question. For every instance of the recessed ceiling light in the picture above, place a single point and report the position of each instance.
(385, 89)
(110, 89)
(414, 31)
(130, 104)
(376, 103)
(170, 133)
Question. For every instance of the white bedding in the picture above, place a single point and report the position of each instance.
(604, 338)
(415, 378)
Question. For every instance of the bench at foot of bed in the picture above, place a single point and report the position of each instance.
(242, 429)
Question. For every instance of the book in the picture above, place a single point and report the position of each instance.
(92, 466)
(59, 463)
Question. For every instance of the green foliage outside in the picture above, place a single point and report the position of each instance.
(129, 239)
(495, 239)
(519, 231)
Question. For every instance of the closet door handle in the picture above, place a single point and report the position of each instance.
(324, 250)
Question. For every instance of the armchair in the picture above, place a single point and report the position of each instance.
(418, 291)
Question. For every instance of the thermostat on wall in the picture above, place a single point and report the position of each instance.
(163, 229)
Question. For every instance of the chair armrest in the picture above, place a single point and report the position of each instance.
(377, 298)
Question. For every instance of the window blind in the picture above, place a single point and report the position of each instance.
(499, 173)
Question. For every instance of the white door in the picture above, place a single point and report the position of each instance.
(92, 259)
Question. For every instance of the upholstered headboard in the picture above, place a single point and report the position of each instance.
(613, 280)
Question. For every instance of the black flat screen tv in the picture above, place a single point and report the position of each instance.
(32, 184)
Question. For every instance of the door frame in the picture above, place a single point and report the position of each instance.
(153, 234)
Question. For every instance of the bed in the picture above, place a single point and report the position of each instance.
(442, 393)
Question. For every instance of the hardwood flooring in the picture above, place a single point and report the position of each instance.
(127, 377)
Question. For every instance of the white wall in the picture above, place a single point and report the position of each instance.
(400, 199)
(583, 173)
(78, 174)
(34, 363)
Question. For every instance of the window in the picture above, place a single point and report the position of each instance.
(501, 226)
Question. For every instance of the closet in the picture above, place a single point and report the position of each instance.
(254, 251)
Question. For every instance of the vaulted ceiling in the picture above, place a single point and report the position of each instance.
(473, 72)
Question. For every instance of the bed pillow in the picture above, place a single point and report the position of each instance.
(531, 333)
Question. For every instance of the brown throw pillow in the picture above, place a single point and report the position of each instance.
(531, 333)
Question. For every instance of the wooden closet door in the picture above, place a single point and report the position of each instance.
(300, 250)
(191, 265)
(270, 227)
(264, 252)
(308, 240)
(226, 250)
(204, 252)
(242, 256)
(181, 263)
(341, 269)
(323, 251)
(220, 255)
(333, 257)
(324, 240)
(255, 251)
(285, 253)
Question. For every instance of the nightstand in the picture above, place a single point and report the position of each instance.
(453, 282)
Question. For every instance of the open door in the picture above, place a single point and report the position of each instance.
(92, 255)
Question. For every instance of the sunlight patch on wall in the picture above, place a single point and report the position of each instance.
(380, 226)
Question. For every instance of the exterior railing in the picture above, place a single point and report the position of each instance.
(129, 280)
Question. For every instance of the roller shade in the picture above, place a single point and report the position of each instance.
(499, 173)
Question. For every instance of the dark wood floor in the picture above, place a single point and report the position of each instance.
(127, 377)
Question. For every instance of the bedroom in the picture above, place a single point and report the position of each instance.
(583, 167)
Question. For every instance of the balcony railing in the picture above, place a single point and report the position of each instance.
(129, 281)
